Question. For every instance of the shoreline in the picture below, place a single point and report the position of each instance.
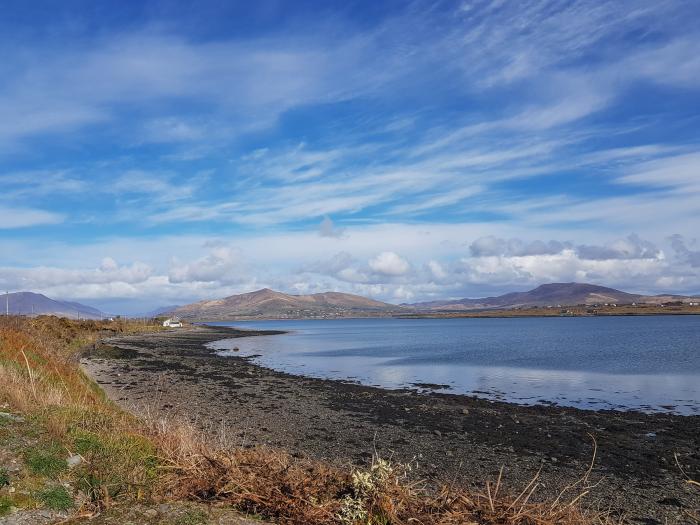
(446, 437)
(487, 313)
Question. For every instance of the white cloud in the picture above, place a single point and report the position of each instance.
(39, 183)
(173, 129)
(439, 267)
(685, 254)
(160, 187)
(389, 264)
(327, 228)
(437, 270)
(490, 245)
(631, 247)
(679, 172)
(47, 277)
(222, 265)
(11, 217)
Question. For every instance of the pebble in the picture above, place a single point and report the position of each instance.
(74, 460)
(150, 513)
(12, 417)
(437, 432)
(465, 411)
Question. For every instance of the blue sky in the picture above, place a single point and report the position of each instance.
(165, 152)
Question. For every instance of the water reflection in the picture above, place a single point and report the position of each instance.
(622, 364)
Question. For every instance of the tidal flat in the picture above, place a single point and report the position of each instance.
(445, 438)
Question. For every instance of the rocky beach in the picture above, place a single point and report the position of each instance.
(640, 461)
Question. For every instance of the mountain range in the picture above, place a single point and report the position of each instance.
(29, 303)
(269, 304)
(553, 294)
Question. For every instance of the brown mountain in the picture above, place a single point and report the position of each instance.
(553, 294)
(269, 304)
(30, 303)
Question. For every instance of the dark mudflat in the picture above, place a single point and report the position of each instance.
(445, 437)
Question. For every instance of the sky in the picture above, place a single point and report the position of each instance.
(157, 153)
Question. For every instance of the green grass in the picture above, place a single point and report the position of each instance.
(115, 465)
(4, 477)
(192, 517)
(86, 442)
(46, 461)
(5, 505)
(56, 498)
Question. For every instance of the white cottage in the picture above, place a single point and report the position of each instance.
(173, 322)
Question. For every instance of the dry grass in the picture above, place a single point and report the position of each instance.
(274, 485)
(128, 458)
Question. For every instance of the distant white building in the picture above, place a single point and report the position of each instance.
(173, 322)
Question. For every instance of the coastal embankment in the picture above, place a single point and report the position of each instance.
(641, 462)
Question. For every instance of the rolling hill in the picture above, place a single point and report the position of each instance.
(29, 303)
(269, 304)
(553, 294)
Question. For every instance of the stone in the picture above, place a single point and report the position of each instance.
(150, 513)
(11, 417)
(465, 411)
(437, 433)
(74, 460)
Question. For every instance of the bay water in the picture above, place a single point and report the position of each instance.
(649, 363)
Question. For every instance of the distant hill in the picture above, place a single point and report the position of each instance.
(564, 294)
(163, 310)
(28, 303)
(269, 304)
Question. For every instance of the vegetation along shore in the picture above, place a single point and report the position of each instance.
(211, 440)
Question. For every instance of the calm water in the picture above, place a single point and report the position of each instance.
(647, 363)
